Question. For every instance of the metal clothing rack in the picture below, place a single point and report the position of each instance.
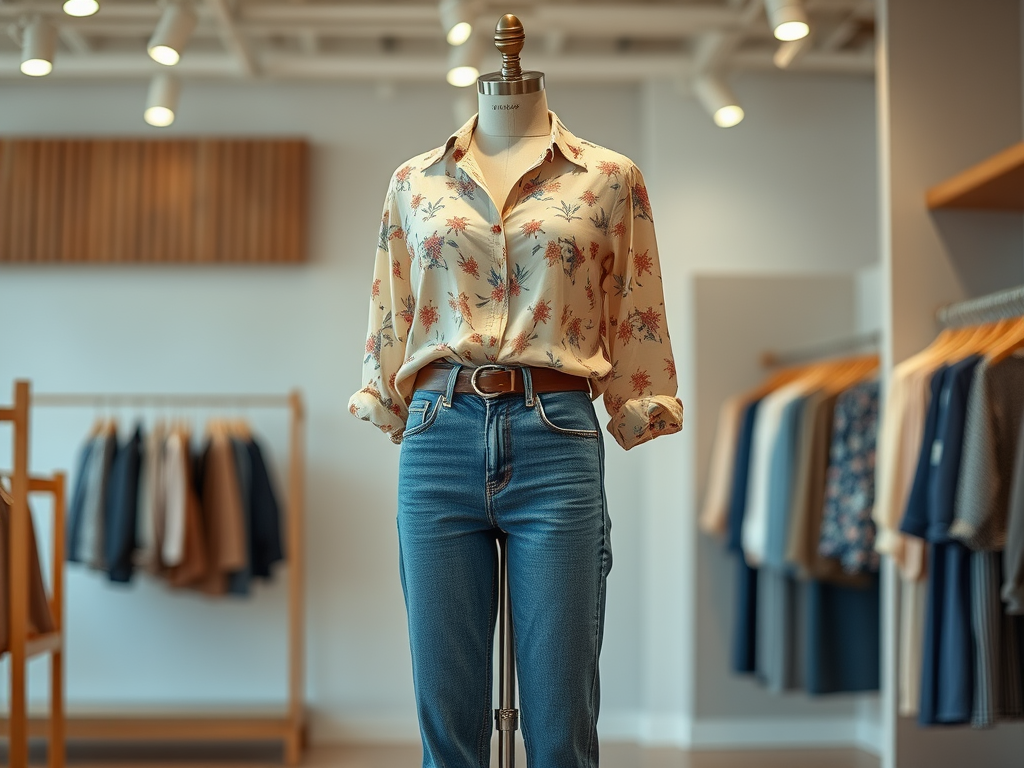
(288, 726)
(984, 309)
(22, 646)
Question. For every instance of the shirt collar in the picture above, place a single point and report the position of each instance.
(572, 148)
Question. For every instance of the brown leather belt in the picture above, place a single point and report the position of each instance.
(491, 380)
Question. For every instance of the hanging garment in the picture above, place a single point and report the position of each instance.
(238, 582)
(122, 509)
(152, 500)
(847, 530)
(989, 453)
(91, 530)
(566, 276)
(780, 595)
(842, 647)
(994, 411)
(947, 670)
(744, 651)
(40, 619)
(75, 516)
(784, 471)
(267, 546)
(176, 487)
(1013, 554)
(714, 518)
(194, 561)
(224, 529)
(766, 432)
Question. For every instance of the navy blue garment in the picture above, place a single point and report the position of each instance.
(744, 630)
(121, 511)
(266, 517)
(948, 639)
(948, 447)
(842, 638)
(74, 517)
(915, 516)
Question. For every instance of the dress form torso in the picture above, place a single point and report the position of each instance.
(512, 132)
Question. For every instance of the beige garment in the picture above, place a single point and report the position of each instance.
(223, 521)
(175, 498)
(714, 518)
(152, 503)
(913, 601)
(809, 493)
(194, 562)
(40, 619)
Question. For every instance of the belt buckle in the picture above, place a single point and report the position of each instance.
(476, 387)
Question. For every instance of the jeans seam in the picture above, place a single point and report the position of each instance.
(483, 748)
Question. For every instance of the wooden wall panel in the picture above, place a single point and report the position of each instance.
(117, 201)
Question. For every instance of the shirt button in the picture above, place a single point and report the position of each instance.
(496, 229)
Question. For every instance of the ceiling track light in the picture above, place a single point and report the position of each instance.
(788, 19)
(38, 46)
(718, 99)
(171, 33)
(81, 8)
(162, 101)
(457, 17)
(464, 63)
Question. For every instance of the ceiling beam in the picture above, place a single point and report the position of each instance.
(231, 37)
(633, 68)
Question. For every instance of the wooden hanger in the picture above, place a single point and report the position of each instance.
(1011, 340)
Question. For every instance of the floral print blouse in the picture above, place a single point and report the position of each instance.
(566, 277)
(847, 530)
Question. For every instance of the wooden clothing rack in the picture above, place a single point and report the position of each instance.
(287, 726)
(22, 646)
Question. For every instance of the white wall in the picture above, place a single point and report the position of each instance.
(789, 191)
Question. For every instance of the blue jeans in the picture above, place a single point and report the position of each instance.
(532, 466)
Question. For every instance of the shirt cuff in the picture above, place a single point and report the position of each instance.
(889, 542)
(646, 418)
(367, 405)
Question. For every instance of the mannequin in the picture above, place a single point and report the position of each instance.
(513, 126)
(516, 280)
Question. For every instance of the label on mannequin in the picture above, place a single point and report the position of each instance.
(504, 106)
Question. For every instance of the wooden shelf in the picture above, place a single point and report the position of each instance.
(995, 184)
(193, 726)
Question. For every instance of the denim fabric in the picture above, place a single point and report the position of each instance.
(532, 466)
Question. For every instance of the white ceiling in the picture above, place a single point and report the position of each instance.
(394, 41)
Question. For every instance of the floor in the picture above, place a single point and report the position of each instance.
(402, 756)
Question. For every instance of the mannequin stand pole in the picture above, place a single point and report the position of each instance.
(506, 717)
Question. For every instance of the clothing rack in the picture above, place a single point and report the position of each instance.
(22, 646)
(289, 726)
(984, 309)
(820, 351)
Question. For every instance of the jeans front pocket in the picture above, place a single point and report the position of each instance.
(568, 413)
(422, 412)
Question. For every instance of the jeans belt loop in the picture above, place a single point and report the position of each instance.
(528, 385)
(449, 392)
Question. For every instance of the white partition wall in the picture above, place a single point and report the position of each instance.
(949, 90)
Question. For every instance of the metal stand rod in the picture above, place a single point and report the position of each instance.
(506, 717)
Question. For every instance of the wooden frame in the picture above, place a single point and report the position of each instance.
(23, 647)
(288, 726)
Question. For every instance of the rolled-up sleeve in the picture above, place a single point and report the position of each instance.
(392, 309)
(640, 394)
